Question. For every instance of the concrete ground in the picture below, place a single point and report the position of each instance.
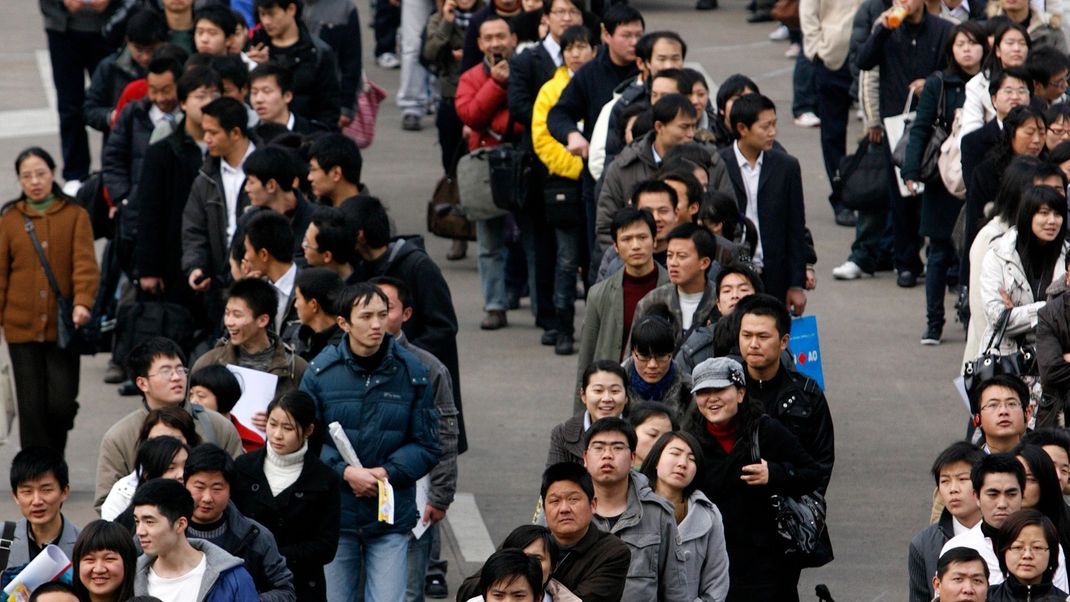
(892, 400)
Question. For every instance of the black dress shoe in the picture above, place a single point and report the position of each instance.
(706, 5)
(762, 17)
(846, 217)
(549, 338)
(436, 588)
(564, 344)
(906, 279)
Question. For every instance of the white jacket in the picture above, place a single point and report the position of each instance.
(994, 228)
(1002, 270)
(119, 498)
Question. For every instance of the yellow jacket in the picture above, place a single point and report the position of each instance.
(552, 153)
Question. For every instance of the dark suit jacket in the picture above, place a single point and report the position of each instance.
(781, 218)
(528, 71)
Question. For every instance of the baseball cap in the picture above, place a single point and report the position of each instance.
(717, 373)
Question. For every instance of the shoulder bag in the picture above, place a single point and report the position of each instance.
(445, 217)
(862, 178)
(949, 163)
(930, 156)
(990, 363)
(473, 186)
(67, 332)
(563, 201)
(800, 520)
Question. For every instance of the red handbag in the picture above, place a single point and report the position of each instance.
(362, 129)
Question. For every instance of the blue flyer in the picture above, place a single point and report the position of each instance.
(805, 348)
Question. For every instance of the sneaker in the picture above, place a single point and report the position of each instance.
(792, 51)
(779, 34)
(931, 336)
(760, 17)
(494, 320)
(71, 187)
(388, 60)
(808, 120)
(410, 122)
(849, 271)
(906, 279)
(436, 588)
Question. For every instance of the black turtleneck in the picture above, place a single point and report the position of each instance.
(371, 362)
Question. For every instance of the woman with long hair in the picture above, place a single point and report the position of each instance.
(105, 561)
(1043, 491)
(671, 468)
(1010, 48)
(1025, 548)
(162, 456)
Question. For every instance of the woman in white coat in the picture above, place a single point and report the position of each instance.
(670, 468)
(1021, 264)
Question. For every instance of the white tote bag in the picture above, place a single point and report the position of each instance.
(895, 127)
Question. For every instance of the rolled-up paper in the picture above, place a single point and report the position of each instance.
(49, 565)
(345, 448)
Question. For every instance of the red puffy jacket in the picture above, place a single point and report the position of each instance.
(483, 105)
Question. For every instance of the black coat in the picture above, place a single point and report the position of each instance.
(904, 54)
(528, 71)
(1011, 590)
(304, 517)
(316, 88)
(110, 78)
(757, 563)
(1053, 340)
(585, 95)
(781, 218)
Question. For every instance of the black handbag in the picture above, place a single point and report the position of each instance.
(929, 168)
(862, 178)
(563, 202)
(510, 168)
(990, 363)
(800, 520)
(150, 316)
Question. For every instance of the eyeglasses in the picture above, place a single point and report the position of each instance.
(565, 12)
(167, 372)
(1019, 549)
(1060, 132)
(996, 405)
(600, 448)
(1013, 91)
(645, 359)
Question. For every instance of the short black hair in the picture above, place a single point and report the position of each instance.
(139, 360)
(611, 424)
(959, 451)
(741, 269)
(155, 455)
(299, 405)
(654, 332)
(272, 232)
(336, 150)
(146, 27)
(230, 113)
(958, 555)
(367, 214)
(221, 382)
(209, 457)
(705, 244)
(404, 296)
(195, 78)
(747, 109)
(283, 76)
(1048, 436)
(547, 8)
(510, 565)
(219, 15)
(619, 14)
(37, 462)
(170, 498)
(334, 234)
(670, 106)
(769, 306)
(644, 48)
(575, 34)
(626, 216)
(733, 85)
(273, 163)
(689, 77)
(654, 187)
(283, 4)
(58, 587)
(358, 294)
(688, 179)
(231, 68)
(1007, 381)
(567, 471)
(1018, 73)
(525, 535)
(165, 64)
(321, 285)
(1000, 463)
(258, 294)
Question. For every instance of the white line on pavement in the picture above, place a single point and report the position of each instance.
(24, 123)
(44, 68)
(469, 530)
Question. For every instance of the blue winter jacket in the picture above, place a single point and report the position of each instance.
(390, 418)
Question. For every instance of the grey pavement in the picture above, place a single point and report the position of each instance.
(892, 400)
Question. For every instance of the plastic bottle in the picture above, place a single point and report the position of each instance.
(896, 16)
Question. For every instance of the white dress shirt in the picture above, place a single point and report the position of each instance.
(233, 180)
(284, 287)
(750, 178)
(554, 49)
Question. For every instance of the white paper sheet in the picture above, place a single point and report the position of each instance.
(48, 565)
(423, 492)
(345, 448)
(960, 387)
(257, 391)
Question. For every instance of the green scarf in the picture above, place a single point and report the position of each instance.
(42, 205)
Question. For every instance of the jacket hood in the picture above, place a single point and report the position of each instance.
(217, 562)
(640, 486)
(402, 246)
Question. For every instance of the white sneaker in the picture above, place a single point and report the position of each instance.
(807, 120)
(71, 187)
(779, 34)
(848, 271)
(388, 60)
(792, 51)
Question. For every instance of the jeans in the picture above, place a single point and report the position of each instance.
(568, 259)
(46, 385)
(422, 565)
(491, 239)
(384, 561)
(804, 92)
(940, 255)
(385, 22)
(865, 250)
(833, 108)
(414, 89)
(73, 54)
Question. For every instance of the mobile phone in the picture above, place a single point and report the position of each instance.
(496, 58)
(200, 279)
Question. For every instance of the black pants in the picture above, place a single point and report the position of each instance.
(449, 134)
(73, 54)
(46, 385)
(906, 220)
(833, 108)
(385, 22)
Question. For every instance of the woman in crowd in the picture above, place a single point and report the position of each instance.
(1025, 543)
(650, 419)
(286, 488)
(105, 561)
(1058, 118)
(218, 389)
(652, 373)
(174, 422)
(536, 542)
(943, 95)
(731, 88)
(46, 375)
(1010, 48)
(162, 456)
(604, 393)
(670, 468)
(1020, 265)
(694, 86)
(1044, 493)
(726, 423)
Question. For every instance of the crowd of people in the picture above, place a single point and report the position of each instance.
(241, 237)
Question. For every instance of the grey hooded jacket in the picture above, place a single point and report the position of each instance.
(705, 554)
(218, 564)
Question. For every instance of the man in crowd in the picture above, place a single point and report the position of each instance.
(334, 169)
(951, 471)
(271, 93)
(268, 247)
(399, 444)
(611, 303)
(40, 484)
(208, 476)
(961, 576)
(316, 293)
(159, 372)
(213, 26)
(674, 123)
(337, 24)
(768, 187)
(328, 242)
(425, 567)
(271, 183)
(285, 40)
(1048, 67)
(173, 567)
(629, 509)
(734, 282)
(596, 567)
(1002, 412)
(145, 31)
(689, 295)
